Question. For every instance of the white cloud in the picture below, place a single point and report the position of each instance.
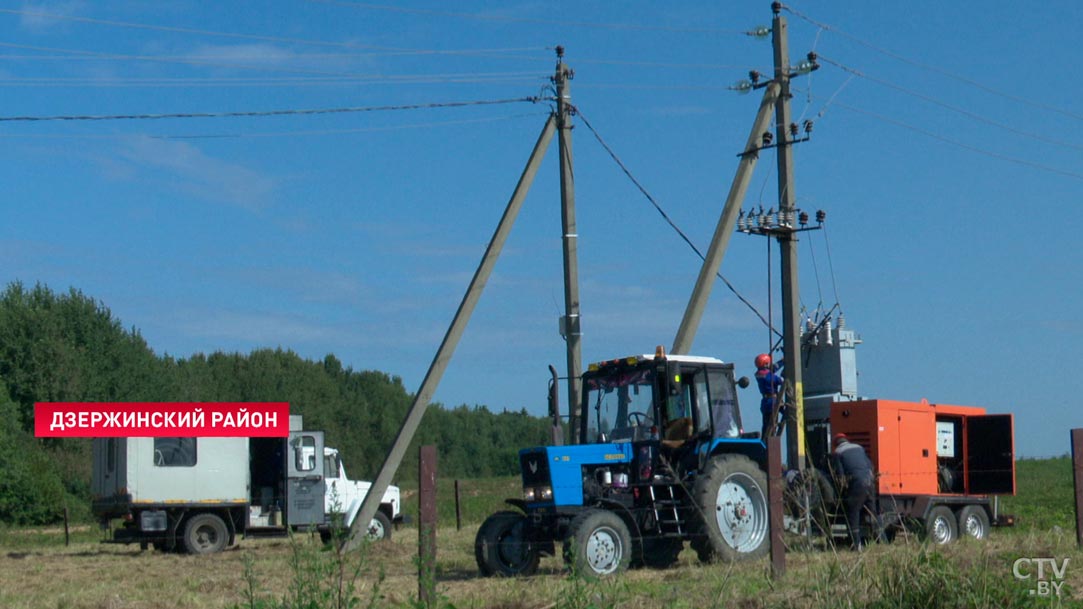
(36, 16)
(194, 172)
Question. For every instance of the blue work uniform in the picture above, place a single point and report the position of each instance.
(770, 384)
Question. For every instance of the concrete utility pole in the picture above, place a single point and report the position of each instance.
(791, 320)
(572, 331)
(451, 340)
(712, 261)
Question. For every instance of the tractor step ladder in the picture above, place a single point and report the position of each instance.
(666, 509)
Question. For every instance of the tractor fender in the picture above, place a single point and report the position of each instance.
(620, 510)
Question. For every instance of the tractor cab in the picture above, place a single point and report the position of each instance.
(687, 404)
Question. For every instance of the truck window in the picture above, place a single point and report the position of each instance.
(330, 466)
(174, 452)
(304, 454)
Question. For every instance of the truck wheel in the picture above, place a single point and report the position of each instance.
(379, 528)
(973, 522)
(660, 553)
(731, 508)
(500, 547)
(205, 534)
(598, 544)
(940, 526)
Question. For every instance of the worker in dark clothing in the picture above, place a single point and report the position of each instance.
(770, 384)
(853, 469)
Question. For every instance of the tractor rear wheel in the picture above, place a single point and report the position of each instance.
(501, 547)
(731, 508)
(598, 544)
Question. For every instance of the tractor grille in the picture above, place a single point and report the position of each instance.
(535, 468)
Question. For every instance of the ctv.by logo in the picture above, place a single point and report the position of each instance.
(1041, 569)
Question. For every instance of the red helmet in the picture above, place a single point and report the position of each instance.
(840, 438)
(763, 360)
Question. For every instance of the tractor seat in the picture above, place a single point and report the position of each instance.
(678, 431)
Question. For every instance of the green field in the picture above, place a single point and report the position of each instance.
(38, 571)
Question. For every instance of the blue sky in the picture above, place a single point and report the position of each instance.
(944, 152)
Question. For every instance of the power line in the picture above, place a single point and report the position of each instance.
(507, 19)
(947, 106)
(268, 134)
(931, 68)
(264, 113)
(263, 56)
(665, 216)
(225, 82)
(963, 145)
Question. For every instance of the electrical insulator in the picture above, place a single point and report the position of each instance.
(767, 138)
(821, 215)
(803, 218)
(754, 76)
(760, 31)
(808, 126)
(793, 129)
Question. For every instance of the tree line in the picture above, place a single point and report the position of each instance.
(68, 347)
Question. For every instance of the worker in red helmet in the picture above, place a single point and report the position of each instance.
(854, 472)
(770, 384)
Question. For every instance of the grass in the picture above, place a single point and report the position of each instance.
(38, 571)
(1045, 496)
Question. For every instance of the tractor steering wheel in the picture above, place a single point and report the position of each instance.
(639, 418)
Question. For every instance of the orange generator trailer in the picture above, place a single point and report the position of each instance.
(938, 466)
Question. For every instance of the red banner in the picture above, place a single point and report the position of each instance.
(161, 419)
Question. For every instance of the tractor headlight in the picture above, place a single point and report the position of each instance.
(538, 493)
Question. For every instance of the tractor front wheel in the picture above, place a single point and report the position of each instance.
(501, 547)
(598, 544)
(731, 508)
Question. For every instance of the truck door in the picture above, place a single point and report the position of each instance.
(304, 483)
(990, 451)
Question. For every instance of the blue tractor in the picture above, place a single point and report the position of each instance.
(661, 460)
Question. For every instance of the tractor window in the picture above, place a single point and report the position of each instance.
(703, 403)
(618, 404)
(724, 410)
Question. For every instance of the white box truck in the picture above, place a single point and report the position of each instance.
(198, 495)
